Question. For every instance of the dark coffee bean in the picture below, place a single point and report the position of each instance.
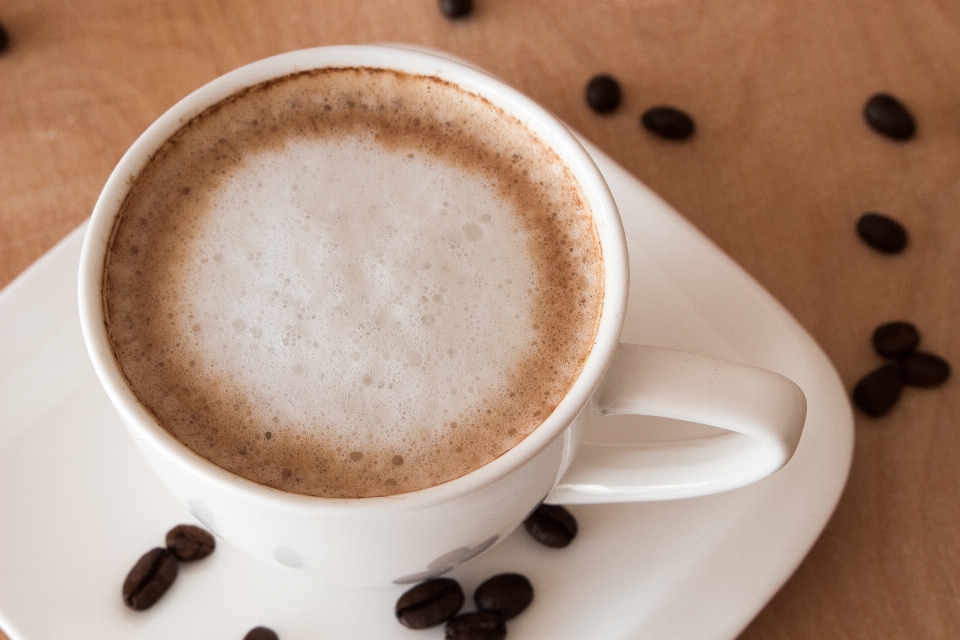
(261, 633)
(668, 122)
(189, 543)
(603, 93)
(879, 390)
(429, 603)
(551, 525)
(507, 593)
(150, 578)
(4, 39)
(895, 339)
(924, 369)
(882, 232)
(456, 8)
(476, 625)
(887, 115)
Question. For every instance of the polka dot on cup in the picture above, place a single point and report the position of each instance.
(288, 557)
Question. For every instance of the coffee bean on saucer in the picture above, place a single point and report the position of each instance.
(150, 578)
(551, 525)
(261, 633)
(456, 8)
(189, 543)
(921, 369)
(603, 93)
(4, 39)
(668, 122)
(887, 115)
(895, 339)
(429, 603)
(507, 593)
(476, 625)
(879, 390)
(882, 232)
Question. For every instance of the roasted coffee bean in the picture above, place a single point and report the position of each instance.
(882, 232)
(261, 633)
(921, 369)
(879, 390)
(603, 93)
(4, 39)
(476, 625)
(189, 543)
(150, 578)
(507, 593)
(668, 122)
(887, 115)
(456, 8)
(429, 603)
(895, 339)
(551, 525)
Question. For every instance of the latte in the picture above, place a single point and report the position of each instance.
(353, 282)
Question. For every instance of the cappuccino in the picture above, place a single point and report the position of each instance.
(353, 282)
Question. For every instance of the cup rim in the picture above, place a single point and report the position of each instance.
(144, 426)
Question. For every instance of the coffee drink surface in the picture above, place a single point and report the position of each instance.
(353, 282)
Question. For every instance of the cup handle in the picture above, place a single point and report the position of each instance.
(761, 412)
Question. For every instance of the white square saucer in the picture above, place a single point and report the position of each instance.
(78, 505)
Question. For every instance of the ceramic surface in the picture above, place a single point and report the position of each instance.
(415, 535)
(78, 505)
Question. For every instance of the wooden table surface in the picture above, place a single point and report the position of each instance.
(779, 170)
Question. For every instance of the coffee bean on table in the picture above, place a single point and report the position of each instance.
(507, 593)
(603, 93)
(189, 543)
(551, 525)
(887, 115)
(921, 369)
(150, 578)
(456, 8)
(895, 339)
(261, 633)
(429, 603)
(882, 232)
(476, 625)
(668, 122)
(879, 390)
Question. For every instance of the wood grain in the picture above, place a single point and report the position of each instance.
(779, 170)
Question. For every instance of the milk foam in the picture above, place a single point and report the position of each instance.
(380, 283)
(353, 312)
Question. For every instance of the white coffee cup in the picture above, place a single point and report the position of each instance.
(412, 536)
